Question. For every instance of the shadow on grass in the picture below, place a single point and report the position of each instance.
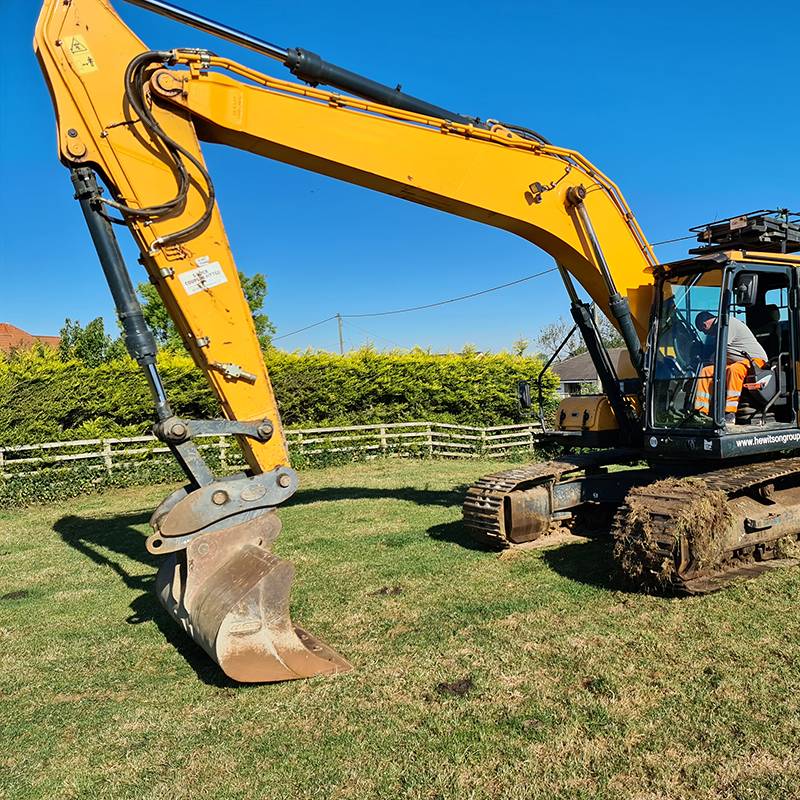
(589, 562)
(93, 536)
(422, 497)
(457, 533)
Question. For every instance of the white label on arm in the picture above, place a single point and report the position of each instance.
(204, 277)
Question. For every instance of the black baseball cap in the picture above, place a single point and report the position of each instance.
(703, 317)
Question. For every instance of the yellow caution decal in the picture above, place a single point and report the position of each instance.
(80, 55)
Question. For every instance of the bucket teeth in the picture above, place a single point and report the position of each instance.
(231, 595)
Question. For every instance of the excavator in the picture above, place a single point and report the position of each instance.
(694, 500)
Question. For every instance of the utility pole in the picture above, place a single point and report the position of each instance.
(341, 339)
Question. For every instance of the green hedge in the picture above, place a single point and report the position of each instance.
(44, 399)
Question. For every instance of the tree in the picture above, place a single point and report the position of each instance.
(90, 344)
(167, 336)
(551, 335)
(157, 318)
(255, 291)
(520, 346)
(610, 336)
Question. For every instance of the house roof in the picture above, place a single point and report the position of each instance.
(14, 338)
(580, 368)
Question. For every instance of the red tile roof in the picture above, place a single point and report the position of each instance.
(13, 338)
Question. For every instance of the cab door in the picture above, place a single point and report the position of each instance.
(764, 297)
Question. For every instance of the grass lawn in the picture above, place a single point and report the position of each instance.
(574, 689)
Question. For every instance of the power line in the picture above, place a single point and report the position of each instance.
(452, 299)
(447, 302)
(300, 330)
(679, 239)
(415, 308)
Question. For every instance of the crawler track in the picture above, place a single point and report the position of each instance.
(665, 537)
(484, 508)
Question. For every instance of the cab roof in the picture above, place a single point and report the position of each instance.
(717, 260)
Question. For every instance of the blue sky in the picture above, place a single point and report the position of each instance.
(690, 107)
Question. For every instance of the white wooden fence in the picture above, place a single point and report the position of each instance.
(432, 439)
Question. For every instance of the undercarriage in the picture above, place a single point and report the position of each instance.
(687, 531)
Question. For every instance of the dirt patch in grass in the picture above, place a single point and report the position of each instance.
(390, 591)
(555, 537)
(20, 594)
(456, 688)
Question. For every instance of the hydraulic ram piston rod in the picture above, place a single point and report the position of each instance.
(215, 28)
(307, 66)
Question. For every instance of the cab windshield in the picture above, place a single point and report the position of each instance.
(681, 350)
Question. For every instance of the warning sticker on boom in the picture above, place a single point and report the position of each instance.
(79, 54)
(205, 276)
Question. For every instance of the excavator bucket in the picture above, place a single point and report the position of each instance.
(231, 595)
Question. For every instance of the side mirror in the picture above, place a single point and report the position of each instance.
(524, 393)
(745, 289)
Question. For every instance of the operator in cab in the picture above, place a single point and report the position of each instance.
(743, 349)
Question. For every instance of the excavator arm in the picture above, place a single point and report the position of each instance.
(84, 50)
(134, 117)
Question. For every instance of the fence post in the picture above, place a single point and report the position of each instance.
(107, 455)
(383, 439)
(223, 454)
(482, 444)
(430, 440)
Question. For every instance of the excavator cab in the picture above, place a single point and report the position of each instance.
(687, 392)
